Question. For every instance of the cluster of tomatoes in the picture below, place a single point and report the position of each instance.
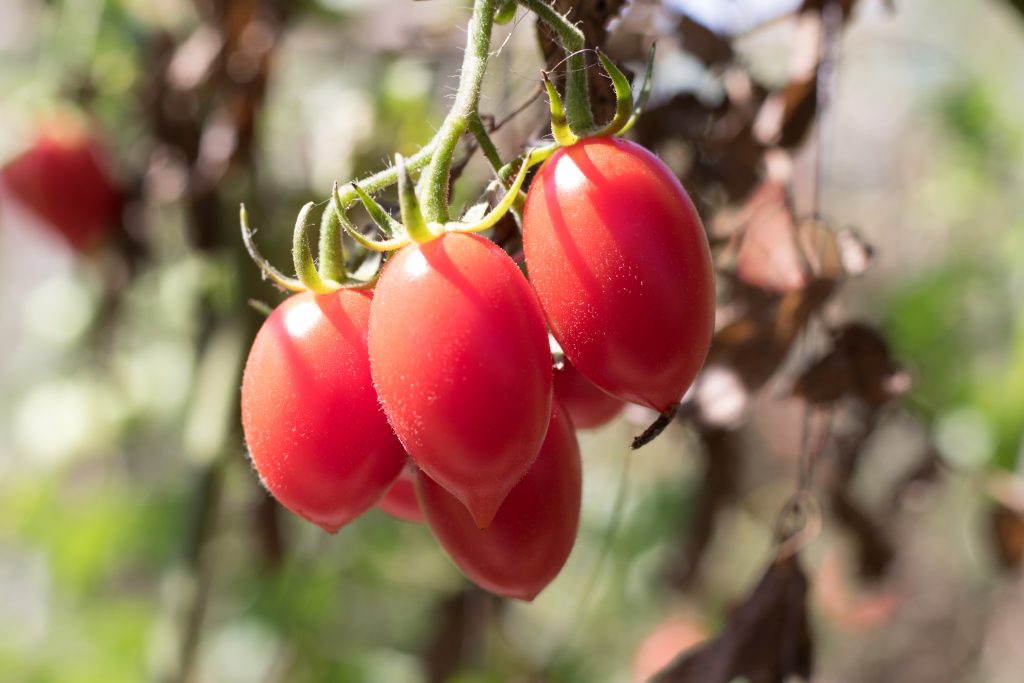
(434, 395)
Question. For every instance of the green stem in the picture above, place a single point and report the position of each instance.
(474, 64)
(389, 176)
(483, 138)
(577, 93)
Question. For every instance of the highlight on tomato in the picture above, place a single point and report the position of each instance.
(315, 431)
(588, 406)
(461, 362)
(64, 179)
(621, 265)
(534, 530)
(400, 500)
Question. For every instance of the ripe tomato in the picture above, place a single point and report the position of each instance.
(400, 501)
(587, 405)
(461, 362)
(63, 179)
(533, 532)
(620, 262)
(317, 436)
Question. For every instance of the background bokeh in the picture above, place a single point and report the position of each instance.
(135, 542)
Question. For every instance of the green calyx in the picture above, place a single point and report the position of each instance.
(627, 108)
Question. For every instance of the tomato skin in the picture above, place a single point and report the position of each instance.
(587, 405)
(400, 500)
(527, 544)
(315, 431)
(621, 265)
(461, 362)
(63, 179)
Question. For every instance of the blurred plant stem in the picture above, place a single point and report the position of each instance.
(209, 437)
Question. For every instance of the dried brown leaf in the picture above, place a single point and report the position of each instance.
(1007, 520)
(768, 256)
(756, 343)
(1008, 536)
(859, 365)
(767, 638)
(703, 43)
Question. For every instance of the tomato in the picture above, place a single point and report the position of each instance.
(533, 532)
(316, 434)
(587, 405)
(400, 501)
(63, 178)
(621, 264)
(461, 362)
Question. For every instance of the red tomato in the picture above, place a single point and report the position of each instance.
(587, 405)
(317, 436)
(533, 533)
(461, 362)
(63, 179)
(620, 262)
(400, 501)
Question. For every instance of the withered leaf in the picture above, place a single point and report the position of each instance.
(1007, 520)
(755, 344)
(767, 256)
(703, 43)
(875, 550)
(858, 365)
(767, 638)
(1007, 527)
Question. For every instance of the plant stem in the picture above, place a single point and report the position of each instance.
(577, 94)
(490, 152)
(388, 177)
(474, 64)
(483, 138)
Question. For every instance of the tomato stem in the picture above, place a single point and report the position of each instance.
(577, 93)
(490, 152)
(467, 98)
